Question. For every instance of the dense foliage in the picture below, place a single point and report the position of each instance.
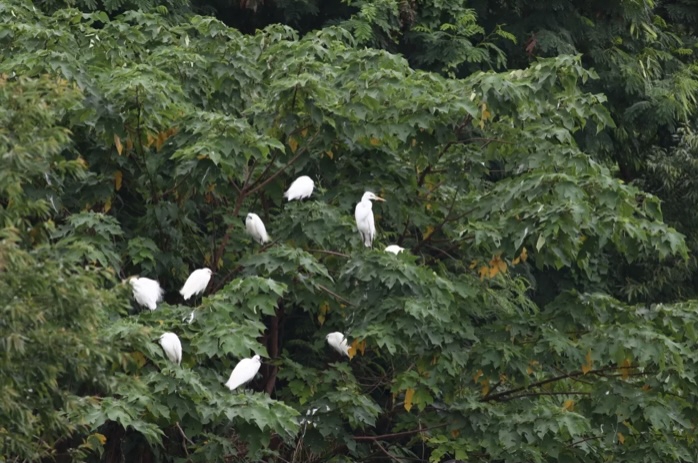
(540, 312)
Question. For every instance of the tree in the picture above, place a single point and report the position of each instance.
(494, 337)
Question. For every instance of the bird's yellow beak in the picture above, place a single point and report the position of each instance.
(378, 198)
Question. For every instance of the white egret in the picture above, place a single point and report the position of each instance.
(196, 283)
(338, 342)
(146, 292)
(301, 188)
(244, 372)
(364, 217)
(172, 346)
(395, 249)
(255, 228)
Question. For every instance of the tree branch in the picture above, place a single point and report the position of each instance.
(332, 253)
(185, 439)
(399, 434)
(332, 293)
(285, 166)
(273, 348)
(552, 380)
(536, 394)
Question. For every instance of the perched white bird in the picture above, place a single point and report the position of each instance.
(196, 283)
(364, 217)
(146, 292)
(301, 188)
(244, 372)
(395, 249)
(255, 228)
(172, 346)
(338, 342)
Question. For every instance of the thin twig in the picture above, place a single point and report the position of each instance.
(536, 394)
(399, 434)
(551, 380)
(332, 293)
(390, 455)
(186, 439)
(285, 166)
(584, 440)
(332, 253)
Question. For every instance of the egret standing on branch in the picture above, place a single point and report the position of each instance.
(364, 217)
(244, 372)
(146, 292)
(301, 188)
(256, 229)
(196, 283)
(338, 342)
(172, 346)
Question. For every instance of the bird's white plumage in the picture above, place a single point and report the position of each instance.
(255, 228)
(301, 188)
(146, 292)
(394, 248)
(364, 217)
(172, 346)
(196, 283)
(338, 342)
(244, 371)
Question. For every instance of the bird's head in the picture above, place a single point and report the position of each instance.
(257, 358)
(131, 280)
(369, 195)
(208, 270)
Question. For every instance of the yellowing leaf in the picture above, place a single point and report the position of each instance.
(100, 437)
(409, 394)
(428, 232)
(149, 140)
(589, 364)
(524, 254)
(324, 308)
(625, 372)
(484, 116)
(107, 206)
(81, 161)
(499, 264)
(568, 405)
(353, 348)
(160, 140)
(522, 257)
(455, 433)
(304, 133)
(483, 271)
(362, 347)
(118, 176)
(374, 141)
(473, 264)
(139, 358)
(477, 375)
(293, 144)
(117, 143)
(485, 386)
(621, 438)
(329, 154)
